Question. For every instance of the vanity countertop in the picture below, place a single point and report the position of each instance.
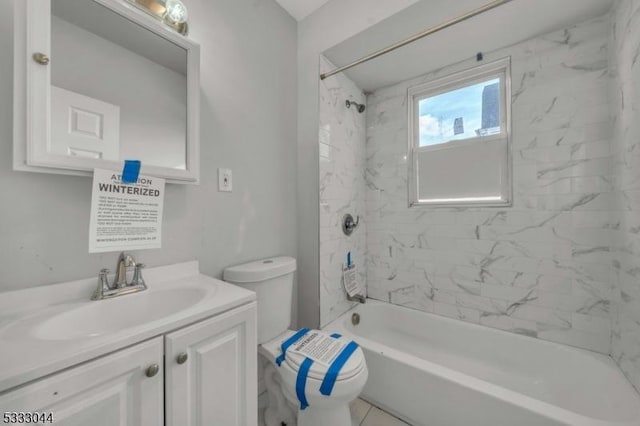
(47, 329)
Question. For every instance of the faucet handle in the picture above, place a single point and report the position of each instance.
(349, 225)
(103, 277)
(137, 276)
(103, 285)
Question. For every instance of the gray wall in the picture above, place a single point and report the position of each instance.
(248, 110)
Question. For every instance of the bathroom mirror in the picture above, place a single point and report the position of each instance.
(99, 82)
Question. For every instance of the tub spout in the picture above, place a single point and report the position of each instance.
(357, 298)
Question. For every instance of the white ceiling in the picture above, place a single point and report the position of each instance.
(511, 23)
(300, 9)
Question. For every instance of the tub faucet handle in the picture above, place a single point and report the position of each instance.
(349, 225)
(357, 298)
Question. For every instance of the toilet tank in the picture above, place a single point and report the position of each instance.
(272, 281)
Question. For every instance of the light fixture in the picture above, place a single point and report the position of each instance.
(174, 13)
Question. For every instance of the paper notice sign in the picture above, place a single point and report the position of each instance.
(319, 347)
(125, 217)
(350, 277)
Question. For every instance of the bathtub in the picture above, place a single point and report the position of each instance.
(435, 371)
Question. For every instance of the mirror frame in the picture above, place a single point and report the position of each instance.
(32, 95)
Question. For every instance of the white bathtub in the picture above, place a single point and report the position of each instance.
(435, 371)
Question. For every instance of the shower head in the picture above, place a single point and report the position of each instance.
(359, 107)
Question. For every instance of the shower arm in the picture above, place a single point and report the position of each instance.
(359, 107)
(487, 7)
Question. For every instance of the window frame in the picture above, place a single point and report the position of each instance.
(498, 69)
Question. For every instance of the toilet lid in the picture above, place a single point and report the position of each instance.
(318, 370)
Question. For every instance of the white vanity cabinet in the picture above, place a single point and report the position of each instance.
(211, 371)
(110, 391)
(208, 377)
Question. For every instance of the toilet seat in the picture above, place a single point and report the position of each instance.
(318, 371)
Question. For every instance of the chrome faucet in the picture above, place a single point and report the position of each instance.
(124, 261)
(120, 286)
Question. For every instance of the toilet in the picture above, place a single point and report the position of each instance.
(310, 395)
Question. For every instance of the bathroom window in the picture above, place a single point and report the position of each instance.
(459, 138)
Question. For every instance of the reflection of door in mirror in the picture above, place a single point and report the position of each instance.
(119, 91)
(84, 127)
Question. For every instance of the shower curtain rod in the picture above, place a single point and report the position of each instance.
(487, 7)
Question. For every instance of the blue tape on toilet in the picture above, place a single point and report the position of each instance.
(332, 374)
(290, 341)
(301, 382)
(336, 335)
(131, 171)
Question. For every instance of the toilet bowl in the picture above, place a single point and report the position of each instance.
(322, 410)
(317, 389)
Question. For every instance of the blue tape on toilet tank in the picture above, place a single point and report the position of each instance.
(290, 341)
(301, 382)
(332, 374)
(131, 171)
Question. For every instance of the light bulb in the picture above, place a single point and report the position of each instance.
(176, 11)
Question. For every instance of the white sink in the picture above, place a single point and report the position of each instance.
(49, 328)
(97, 318)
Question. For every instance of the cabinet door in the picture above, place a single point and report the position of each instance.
(110, 391)
(216, 383)
(76, 46)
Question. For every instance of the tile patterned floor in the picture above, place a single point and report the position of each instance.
(365, 414)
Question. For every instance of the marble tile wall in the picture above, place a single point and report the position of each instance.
(625, 99)
(540, 268)
(342, 189)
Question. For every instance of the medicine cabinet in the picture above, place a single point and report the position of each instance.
(98, 82)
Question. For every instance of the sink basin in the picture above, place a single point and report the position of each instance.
(46, 329)
(97, 318)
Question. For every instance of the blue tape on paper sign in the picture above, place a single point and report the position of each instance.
(290, 341)
(336, 335)
(332, 374)
(131, 171)
(301, 382)
(349, 260)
